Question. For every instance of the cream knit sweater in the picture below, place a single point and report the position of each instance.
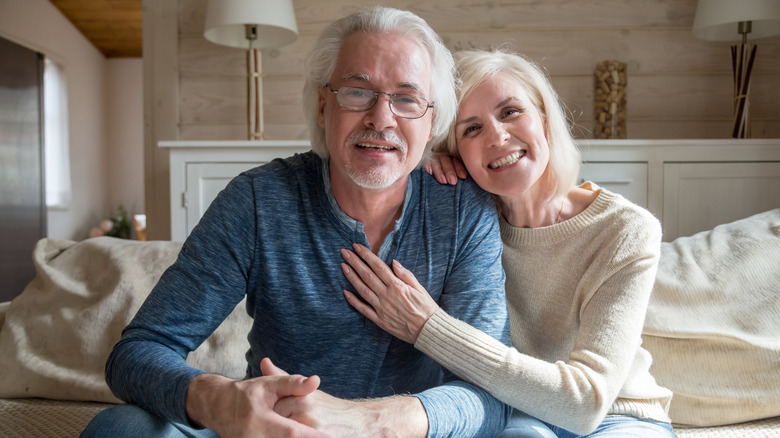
(577, 294)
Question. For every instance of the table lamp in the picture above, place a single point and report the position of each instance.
(731, 20)
(252, 25)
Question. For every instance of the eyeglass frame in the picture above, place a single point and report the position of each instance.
(390, 96)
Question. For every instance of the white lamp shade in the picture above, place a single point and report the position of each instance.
(275, 20)
(717, 20)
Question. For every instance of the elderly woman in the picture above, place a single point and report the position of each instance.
(580, 263)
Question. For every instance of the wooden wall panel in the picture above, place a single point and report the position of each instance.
(223, 101)
(297, 131)
(678, 97)
(646, 51)
(447, 15)
(679, 86)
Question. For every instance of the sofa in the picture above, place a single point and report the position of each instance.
(713, 327)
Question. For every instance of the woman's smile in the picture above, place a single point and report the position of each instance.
(510, 159)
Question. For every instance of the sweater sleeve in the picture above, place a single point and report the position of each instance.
(449, 340)
(575, 393)
(474, 293)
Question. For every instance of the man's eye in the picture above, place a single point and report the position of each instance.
(405, 99)
(358, 93)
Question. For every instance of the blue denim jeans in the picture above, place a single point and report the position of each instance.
(522, 425)
(125, 421)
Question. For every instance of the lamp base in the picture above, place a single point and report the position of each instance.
(254, 103)
(742, 58)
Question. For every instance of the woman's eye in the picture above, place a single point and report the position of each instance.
(470, 130)
(509, 112)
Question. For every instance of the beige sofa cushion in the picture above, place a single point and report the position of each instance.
(58, 333)
(713, 323)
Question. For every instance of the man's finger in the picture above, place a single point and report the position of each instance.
(291, 385)
(279, 425)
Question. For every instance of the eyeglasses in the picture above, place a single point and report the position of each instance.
(407, 106)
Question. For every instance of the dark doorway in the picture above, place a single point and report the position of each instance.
(22, 203)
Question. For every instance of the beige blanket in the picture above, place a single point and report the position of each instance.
(713, 323)
(58, 333)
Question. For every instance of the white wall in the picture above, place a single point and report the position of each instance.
(103, 95)
(125, 158)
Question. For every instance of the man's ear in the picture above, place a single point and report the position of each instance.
(321, 107)
(433, 120)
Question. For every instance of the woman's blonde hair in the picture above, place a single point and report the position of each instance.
(473, 67)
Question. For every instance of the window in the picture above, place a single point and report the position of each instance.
(56, 147)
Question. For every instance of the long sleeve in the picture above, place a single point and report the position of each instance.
(577, 293)
(473, 292)
(147, 366)
(273, 236)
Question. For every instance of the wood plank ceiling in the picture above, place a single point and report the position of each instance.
(113, 26)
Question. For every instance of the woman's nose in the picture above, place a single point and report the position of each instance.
(498, 133)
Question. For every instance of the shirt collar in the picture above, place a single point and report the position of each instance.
(358, 226)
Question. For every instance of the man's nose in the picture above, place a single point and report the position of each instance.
(380, 117)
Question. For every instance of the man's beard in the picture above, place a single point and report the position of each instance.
(376, 176)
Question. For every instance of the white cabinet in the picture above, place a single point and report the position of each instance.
(628, 179)
(690, 185)
(204, 182)
(201, 169)
(699, 196)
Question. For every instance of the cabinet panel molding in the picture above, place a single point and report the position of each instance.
(699, 196)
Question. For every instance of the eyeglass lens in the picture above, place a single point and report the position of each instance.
(360, 99)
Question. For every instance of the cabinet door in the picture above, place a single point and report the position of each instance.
(699, 196)
(204, 182)
(627, 179)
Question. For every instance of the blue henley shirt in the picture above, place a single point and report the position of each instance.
(274, 235)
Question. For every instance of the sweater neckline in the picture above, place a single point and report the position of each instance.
(556, 233)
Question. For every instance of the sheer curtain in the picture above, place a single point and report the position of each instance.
(56, 147)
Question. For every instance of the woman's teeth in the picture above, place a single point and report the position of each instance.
(509, 159)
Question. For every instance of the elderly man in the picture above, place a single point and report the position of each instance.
(379, 93)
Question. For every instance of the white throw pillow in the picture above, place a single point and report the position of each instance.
(713, 323)
(59, 332)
